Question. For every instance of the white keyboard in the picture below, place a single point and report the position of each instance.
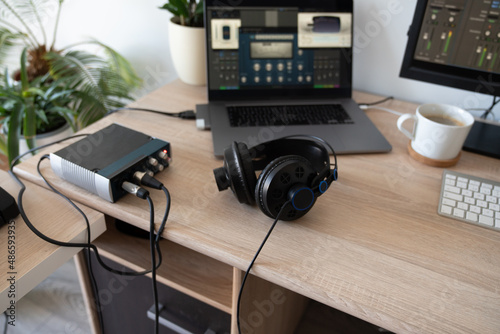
(470, 199)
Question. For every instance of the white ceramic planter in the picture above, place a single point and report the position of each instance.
(46, 138)
(187, 47)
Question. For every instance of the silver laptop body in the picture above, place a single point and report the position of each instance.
(268, 61)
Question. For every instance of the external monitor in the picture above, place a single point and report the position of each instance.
(456, 43)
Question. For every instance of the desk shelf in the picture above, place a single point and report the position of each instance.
(185, 270)
(211, 282)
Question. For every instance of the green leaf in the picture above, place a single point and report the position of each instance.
(199, 8)
(40, 113)
(35, 91)
(53, 85)
(3, 144)
(82, 67)
(7, 42)
(58, 96)
(8, 105)
(6, 80)
(182, 7)
(29, 130)
(14, 132)
(197, 19)
(24, 73)
(68, 115)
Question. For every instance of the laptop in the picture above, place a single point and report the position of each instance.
(279, 68)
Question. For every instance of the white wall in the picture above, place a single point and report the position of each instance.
(138, 29)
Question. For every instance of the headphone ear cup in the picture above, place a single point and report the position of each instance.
(277, 181)
(241, 173)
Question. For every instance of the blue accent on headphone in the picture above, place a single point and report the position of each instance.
(335, 175)
(308, 206)
(323, 186)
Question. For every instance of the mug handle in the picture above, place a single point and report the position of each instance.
(401, 120)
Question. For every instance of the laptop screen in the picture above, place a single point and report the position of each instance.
(273, 49)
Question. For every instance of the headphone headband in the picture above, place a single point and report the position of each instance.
(264, 153)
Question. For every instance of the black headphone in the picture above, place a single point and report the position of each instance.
(293, 170)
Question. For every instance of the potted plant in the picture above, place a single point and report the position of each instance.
(187, 40)
(40, 106)
(53, 86)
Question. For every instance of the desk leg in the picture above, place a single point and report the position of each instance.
(237, 278)
(88, 294)
(265, 307)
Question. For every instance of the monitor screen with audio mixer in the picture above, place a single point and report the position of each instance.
(462, 34)
(456, 43)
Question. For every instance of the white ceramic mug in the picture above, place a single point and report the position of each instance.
(439, 131)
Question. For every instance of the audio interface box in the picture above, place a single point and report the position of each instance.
(102, 161)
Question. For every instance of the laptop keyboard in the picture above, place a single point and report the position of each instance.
(241, 116)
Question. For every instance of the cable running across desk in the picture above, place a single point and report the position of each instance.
(154, 242)
(185, 114)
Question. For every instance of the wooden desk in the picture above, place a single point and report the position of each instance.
(36, 259)
(373, 246)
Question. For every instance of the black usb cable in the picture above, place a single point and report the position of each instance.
(185, 114)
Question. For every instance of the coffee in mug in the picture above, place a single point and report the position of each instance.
(439, 130)
(445, 120)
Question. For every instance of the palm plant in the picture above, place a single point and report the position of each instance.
(50, 80)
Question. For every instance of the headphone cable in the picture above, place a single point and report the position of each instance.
(152, 245)
(253, 261)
